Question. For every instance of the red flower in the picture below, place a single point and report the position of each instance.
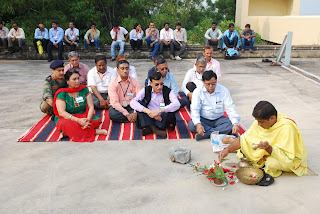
(232, 182)
(231, 177)
(226, 170)
(205, 172)
(231, 173)
(233, 166)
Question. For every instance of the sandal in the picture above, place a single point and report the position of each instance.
(266, 180)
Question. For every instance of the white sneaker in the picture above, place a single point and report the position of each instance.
(178, 58)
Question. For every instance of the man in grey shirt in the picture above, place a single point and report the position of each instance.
(248, 37)
(180, 40)
(214, 36)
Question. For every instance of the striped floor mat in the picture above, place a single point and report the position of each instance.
(45, 129)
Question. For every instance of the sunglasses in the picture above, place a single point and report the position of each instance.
(157, 84)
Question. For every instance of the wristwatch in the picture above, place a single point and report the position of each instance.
(160, 110)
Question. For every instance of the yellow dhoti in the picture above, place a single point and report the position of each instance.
(288, 150)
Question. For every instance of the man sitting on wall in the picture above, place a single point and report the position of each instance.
(248, 37)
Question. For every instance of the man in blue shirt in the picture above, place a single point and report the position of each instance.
(168, 79)
(207, 108)
(71, 36)
(56, 37)
(41, 34)
(231, 38)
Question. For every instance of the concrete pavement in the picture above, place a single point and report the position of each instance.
(137, 176)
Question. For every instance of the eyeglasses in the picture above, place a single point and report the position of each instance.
(162, 69)
(157, 84)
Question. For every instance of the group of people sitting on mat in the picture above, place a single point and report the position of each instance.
(72, 92)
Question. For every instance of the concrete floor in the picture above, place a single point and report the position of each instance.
(137, 176)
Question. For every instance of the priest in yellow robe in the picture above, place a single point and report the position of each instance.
(280, 147)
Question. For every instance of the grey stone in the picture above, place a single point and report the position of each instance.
(180, 154)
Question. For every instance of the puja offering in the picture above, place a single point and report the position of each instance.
(249, 175)
(218, 175)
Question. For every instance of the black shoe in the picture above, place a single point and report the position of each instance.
(36, 51)
(147, 130)
(266, 180)
(49, 60)
(20, 51)
(11, 51)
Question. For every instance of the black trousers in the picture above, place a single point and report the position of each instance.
(60, 50)
(44, 44)
(72, 47)
(231, 44)
(117, 117)
(136, 44)
(144, 120)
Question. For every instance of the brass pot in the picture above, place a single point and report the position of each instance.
(244, 162)
(249, 175)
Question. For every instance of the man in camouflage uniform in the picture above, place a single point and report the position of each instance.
(51, 85)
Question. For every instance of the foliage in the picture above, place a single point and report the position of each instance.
(215, 171)
(194, 15)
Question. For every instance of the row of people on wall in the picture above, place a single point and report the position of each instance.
(156, 40)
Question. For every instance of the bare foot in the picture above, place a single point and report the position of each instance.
(101, 132)
(60, 136)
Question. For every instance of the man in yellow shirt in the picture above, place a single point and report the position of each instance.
(280, 144)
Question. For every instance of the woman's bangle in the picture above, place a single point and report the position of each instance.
(70, 116)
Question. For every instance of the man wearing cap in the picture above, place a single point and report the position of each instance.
(74, 62)
(51, 85)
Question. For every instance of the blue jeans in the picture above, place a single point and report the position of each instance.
(245, 42)
(222, 124)
(95, 43)
(114, 44)
(155, 46)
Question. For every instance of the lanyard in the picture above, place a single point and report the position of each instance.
(179, 34)
(124, 93)
(71, 33)
(41, 33)
(168, 34)
(92, 33)
(101, 77)
(17, 32)
(209, 65)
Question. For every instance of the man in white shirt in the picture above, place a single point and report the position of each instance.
(193, 78)
(214, 36)
(71, 36)
(118, 39)
(180, 40)
(166, 39)
(207, 109)
(16, 36)
(4, 36)
(99, 78)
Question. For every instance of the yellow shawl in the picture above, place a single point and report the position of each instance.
(285, 139)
